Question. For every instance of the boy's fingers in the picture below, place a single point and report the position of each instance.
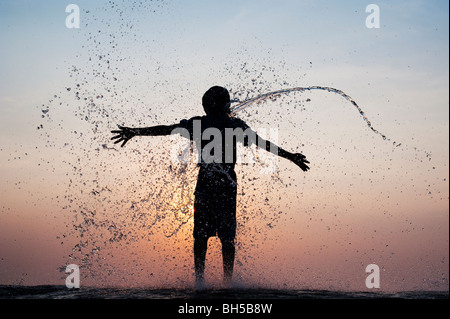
(116, 137)
(116, 132)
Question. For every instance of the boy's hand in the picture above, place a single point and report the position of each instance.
(300, 160)
(125, 134)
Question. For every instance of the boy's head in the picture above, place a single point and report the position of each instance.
(216, 101)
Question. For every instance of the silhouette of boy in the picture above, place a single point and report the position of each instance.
(216, 189)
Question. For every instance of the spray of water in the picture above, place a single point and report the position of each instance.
(276, 94)
(128, 213)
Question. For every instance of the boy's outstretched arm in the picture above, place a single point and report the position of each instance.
(297, 158)
(127, 133)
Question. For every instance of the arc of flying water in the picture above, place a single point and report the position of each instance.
(273, 95)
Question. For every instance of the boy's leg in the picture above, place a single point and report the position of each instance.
(200, 247)
(228, 254)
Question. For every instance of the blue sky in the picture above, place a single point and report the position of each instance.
(413, 33)
(408, 55)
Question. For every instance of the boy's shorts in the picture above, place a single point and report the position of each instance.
(215, 205)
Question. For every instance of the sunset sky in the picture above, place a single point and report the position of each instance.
(69, 195)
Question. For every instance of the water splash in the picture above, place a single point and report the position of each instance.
(276, 94)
